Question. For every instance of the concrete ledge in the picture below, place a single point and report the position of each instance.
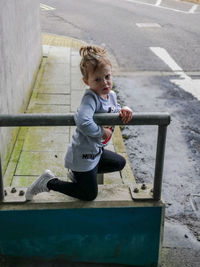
(109, 196)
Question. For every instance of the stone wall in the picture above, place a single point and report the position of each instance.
(20, 56)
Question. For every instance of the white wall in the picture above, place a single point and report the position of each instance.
(20, 55)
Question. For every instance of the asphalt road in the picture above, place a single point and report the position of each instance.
(156, 45)
(114, 23)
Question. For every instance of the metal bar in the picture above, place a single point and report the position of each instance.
(1, 183)
(100, 178)
(138, 119)
(36, 120)
(68, 119)
(160, 119)
(161, 140)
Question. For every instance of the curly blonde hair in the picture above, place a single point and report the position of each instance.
(92, 57)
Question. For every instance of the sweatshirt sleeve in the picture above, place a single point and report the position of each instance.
(84, 117)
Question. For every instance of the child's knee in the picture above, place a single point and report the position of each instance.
(89, 196)
(122, 163)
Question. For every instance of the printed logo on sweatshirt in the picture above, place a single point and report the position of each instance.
(88, 156)
(111, 109)
(91, 156)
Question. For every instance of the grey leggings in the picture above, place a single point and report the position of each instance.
(86, 187)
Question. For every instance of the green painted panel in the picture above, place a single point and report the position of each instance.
(108, 235)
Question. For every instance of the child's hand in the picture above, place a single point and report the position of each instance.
(107, 133)
(126, 114)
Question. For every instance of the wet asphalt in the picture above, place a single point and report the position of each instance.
(182, 154)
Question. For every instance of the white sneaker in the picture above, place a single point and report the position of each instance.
(70, 175)
(39, 185)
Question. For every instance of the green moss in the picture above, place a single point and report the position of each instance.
(23, 181)
(11, 146)
(34, 163)
(125, 136)
(10, 149)
(13, 160)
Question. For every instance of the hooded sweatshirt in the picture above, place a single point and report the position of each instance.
(85, 149)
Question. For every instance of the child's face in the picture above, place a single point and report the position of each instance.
(100, 81)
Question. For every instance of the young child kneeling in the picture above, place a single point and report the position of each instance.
(86, 155)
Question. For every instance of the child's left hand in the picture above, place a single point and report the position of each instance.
(126, 114)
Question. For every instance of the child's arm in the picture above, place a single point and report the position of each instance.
(107, 133)
(84, 118)
(126, 114)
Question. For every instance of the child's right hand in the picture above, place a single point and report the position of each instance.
(107, 133)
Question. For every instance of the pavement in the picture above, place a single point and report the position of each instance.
(59, 89)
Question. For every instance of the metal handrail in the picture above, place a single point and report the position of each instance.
(160, 119)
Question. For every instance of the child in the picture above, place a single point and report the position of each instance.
(86, 156)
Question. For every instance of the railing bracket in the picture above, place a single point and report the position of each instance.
(141, 191)
(13, 195)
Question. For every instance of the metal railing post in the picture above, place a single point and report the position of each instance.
(100, 178)
(160, 119)
(1, 183)
(161, 140)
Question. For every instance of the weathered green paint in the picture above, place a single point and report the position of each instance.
(109, 235)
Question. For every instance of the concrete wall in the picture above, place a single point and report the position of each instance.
(20, 56)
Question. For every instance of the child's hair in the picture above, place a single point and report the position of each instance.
(92, 57)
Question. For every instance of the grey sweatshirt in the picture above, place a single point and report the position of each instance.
(85, 149)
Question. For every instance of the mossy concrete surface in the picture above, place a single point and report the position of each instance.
(58, 89)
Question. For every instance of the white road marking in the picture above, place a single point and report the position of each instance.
(45, 7)
(158, 2)
(193, 8)
(148, 25)
(164, 56)
(159, 6)
(185, 82)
